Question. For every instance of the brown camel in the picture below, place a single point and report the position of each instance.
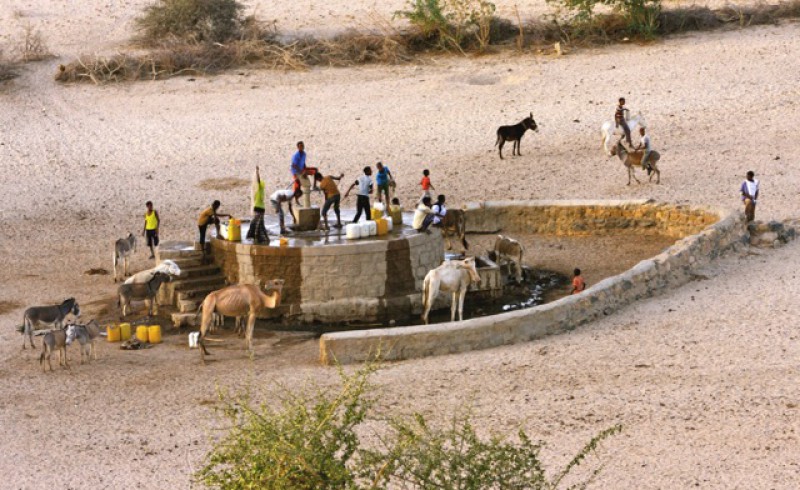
(238, 301)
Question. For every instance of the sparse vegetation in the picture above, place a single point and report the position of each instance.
(313, 442)
(210, 36)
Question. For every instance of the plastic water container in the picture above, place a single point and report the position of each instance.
(373, 227)
(389, 224)
(283, 241)
(364, 227)
(141, 333)
(376, 214)
(234, 230)
(124, 331)
(383, 226)
(397, 215)
(154, 334)
(112, 333)
(380, 206)
(352, 231)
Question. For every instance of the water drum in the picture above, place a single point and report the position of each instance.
(352, 231)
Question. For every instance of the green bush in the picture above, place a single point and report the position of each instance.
(312, 442)
(641, 16)
(451, 25)
(191, 20)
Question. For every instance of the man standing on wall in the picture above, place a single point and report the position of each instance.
(151, 224)
(749, 191)
(300, 173)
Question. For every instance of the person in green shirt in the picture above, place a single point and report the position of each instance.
(257, 231)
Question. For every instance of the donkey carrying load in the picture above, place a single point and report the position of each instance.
(142, 292)
(47, 315)
(124, 248)
(633, 159)
(514, 133)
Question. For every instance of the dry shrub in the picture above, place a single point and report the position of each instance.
(33, 46)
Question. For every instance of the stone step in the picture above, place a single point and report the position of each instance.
(188, 262)
(178, 250)
(198, 294)
(189, 305)
(169, 291)
(198, 271)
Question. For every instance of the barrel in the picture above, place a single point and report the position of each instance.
(124, 331)
(141, 333)
(383, 226)
(154, 334)
(112, 333)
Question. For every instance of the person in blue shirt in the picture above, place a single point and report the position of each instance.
(384, 179)
(300, 173)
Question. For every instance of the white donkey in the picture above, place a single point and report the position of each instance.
(166, 266)
(453, 276)
(609, 130)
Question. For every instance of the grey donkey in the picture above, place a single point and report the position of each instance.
(47, 315)
(142, 292)
(123, 249)
(86, 335)
(57, 340)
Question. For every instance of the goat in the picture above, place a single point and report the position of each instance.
(124, 248)
(514, 133)
(146, 292)
(47, 315)
(57, 340)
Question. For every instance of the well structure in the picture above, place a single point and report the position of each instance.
(330, 279)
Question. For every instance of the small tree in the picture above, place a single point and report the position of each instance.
(192, 20)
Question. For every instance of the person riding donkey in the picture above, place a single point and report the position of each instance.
(644, 144)
(621, 119)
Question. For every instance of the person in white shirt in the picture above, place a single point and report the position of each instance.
(439, 210)
(364, 184)
(278, 198)
(644, 143)
(749, 191)
(423, 216)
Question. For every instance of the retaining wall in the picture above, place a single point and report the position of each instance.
(702, 234)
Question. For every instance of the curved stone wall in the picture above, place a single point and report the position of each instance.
(369, 280)
(701, 234)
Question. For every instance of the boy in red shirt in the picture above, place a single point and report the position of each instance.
(578, 284)
(426, 184)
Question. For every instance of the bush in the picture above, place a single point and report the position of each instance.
(453, 25)
(191, 20)
(640, 16)
(312, 442)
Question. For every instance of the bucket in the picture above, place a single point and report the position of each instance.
(234, 230)
(124, 331)
(112, 333)
(154, 334)
(383, 226)
(352, 231)
(141, 333)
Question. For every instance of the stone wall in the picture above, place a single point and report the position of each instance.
(703, 234)
(365, 280)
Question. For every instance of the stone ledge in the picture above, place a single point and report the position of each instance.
(671, 268)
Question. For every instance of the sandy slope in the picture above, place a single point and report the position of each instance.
(714, 399)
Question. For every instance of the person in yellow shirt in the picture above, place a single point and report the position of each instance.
(151, 223)
(209, 216)
(257, 231)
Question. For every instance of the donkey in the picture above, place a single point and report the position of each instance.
(454, 276)
(146, 292)
(634, 159)
(609, 129)
(514, 133)
(47, 315)
(455, 222)
(124, 248)
(57, 340)
(86, 335)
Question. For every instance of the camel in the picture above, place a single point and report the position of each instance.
(455, 222)
(633, 160)
(238, 300)
(453, 276)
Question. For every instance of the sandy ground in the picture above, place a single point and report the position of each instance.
(704, 378)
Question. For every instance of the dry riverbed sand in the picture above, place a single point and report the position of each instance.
(704, 378)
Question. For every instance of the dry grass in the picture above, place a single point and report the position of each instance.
(33, 46)
(8, 306)
(260, 46)
(223, 184)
